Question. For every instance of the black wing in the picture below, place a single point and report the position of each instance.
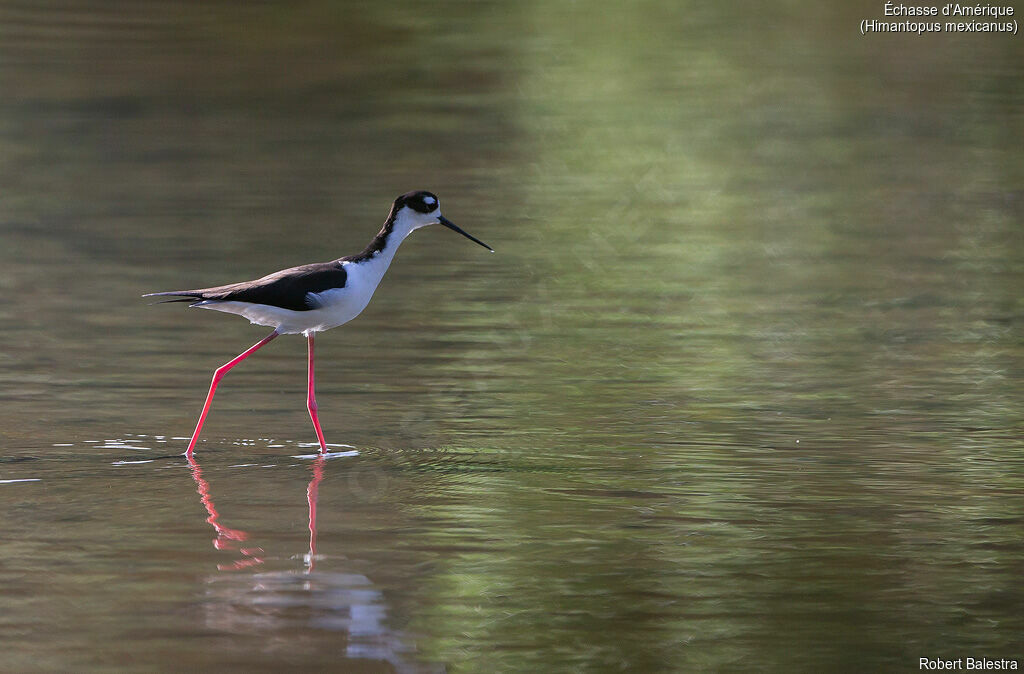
(287, 288)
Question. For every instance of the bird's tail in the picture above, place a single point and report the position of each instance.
(192, 296)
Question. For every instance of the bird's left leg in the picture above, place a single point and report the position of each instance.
(218, 374)
(311, 398)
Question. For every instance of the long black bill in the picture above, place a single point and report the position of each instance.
(451, 225)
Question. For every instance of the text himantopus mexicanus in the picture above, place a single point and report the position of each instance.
(314, 297)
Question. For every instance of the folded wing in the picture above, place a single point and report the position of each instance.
(287, 289)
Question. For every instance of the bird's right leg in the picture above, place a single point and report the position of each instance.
(218, 374)
(311, 399)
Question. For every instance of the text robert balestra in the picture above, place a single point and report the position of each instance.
(964, 664)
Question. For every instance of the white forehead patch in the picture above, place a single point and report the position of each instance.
(429, 201)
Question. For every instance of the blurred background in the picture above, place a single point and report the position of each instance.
(741, 388)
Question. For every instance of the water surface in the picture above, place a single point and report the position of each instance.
(741, 388)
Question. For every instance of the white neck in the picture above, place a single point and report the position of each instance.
(377, 257)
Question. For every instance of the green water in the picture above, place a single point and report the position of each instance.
(741, 389)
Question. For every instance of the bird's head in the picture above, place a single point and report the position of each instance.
(419, 209)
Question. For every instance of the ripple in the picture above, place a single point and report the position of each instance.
(327, 455)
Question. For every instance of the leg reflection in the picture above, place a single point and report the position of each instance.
(312, 494)
(343, 606)
(227, 539)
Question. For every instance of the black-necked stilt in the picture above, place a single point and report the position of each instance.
(315, 297)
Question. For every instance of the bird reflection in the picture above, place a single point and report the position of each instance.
(274, 603)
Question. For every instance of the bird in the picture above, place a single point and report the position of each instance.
(312, 298)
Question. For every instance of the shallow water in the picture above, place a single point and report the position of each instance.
(741, 388)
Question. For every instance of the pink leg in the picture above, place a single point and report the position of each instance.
(218, 374)
(311, 399)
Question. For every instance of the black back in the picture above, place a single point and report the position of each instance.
(286, 289)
